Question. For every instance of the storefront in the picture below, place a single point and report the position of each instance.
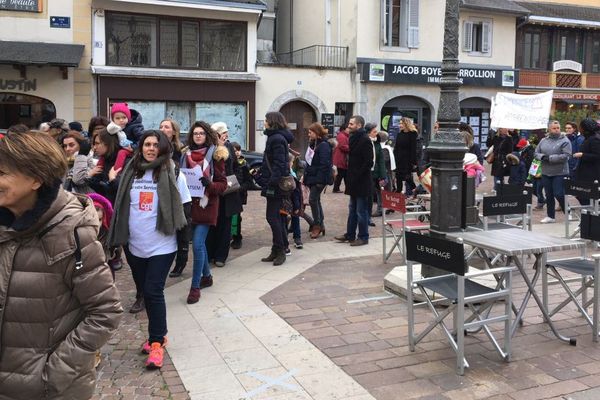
(186, 101)
(411, 89)
(36, 82)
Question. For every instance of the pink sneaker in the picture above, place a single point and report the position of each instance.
(146, 346)
(155, 359)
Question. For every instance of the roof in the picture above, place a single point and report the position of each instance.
(254, 4)
(562, 11)
(499, 6)
(36, 53)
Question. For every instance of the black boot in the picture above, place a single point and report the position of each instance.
(279, 257)
(271, 256)
(236, 242)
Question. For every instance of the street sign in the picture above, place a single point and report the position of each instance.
(60, 22)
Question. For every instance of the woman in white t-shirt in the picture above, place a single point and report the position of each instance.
(148, 213)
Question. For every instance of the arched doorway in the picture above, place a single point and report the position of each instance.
(16, 108)
(476, 112)
(299, 116)
(412, 107)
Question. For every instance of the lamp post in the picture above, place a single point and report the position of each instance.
(447, 148)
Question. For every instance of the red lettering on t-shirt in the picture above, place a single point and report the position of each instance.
(146, 201)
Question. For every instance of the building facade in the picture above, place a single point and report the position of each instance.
(45, 55)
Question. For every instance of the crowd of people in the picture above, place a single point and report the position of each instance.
(121, 189)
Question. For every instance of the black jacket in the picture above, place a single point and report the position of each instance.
(503, 146)
(588, 169)
(360, 162)
(319, 171)
(405, 152)
(277, 166)
(134, 128)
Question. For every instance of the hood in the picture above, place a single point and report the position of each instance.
(221, 153)
(136, 117)
(513, 159)
(289, 136)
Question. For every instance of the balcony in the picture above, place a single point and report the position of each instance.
(319, 56)
(562, 80)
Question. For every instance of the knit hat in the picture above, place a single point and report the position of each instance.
(120, 107)
(103, 203)
(470, 158)
(522, 143)
(76, 126)
(219, 128)
(589, 125)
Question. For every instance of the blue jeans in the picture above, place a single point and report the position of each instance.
(555, 188)
(538, 189)
(297, 234)
(201, 267)
(150, 275)
(358, 215)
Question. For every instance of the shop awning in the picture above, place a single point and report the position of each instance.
(497, 6)
(562, 14)
(36, 53)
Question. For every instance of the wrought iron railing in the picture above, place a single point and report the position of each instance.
(316, 56)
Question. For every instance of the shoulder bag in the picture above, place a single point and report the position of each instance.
(286, 183)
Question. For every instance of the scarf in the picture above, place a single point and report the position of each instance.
(201, 157)
(170, 210)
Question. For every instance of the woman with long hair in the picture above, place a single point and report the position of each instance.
(103, 179)
(205, 155)
(405, 153)
(275, 166)
(148, 211)
(172, 129)
(60, 304)
(317, 175)
(80, 162)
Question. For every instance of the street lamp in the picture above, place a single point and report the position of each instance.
(447, 148)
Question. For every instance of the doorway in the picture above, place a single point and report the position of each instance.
(406, 106)
(18, 108)
(299, 116)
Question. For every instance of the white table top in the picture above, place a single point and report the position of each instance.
(515, 241)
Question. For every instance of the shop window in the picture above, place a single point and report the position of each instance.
(531, 50)
(400, 23)
(477, 37)
(147, 41)
(568, 46)
(596, 53)
(24, 109)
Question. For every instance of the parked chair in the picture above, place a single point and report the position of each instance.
(511, 207)
(411, 219)
(587, 271)
(587, 190)
(459, 288)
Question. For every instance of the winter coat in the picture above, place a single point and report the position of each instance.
(518, 170)
(320, 170)
(134, 128)
(475, 149)
(360, 162)
(276, 152)
(232, 201)
(208, 215)
(340, 153)
(379, 170)
(576, 142)
(503, 146)
(588, 169)
(527, 154)
(554, 153)
(100, 183)
(244, 178)
(77, 177)
(405, 152)
(54, 315)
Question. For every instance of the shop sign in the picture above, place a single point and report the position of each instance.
(23, 85)
(567, 64)
(60, 22)
(431, 74)
(576, 96)
(22, 5)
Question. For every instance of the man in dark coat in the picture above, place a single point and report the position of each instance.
(503, 146)
(360, 163)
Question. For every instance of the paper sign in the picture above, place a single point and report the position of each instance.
(308, 157)
(519, 111)
(193, 175)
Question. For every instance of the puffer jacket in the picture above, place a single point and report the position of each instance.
(275, 161)
(53, 316)
(554, 151)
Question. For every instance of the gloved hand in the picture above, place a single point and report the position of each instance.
(541, 157)
(205, 181)
(84, 148)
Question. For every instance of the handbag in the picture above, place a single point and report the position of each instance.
(286, 183)
(232, 185)
(489, 155)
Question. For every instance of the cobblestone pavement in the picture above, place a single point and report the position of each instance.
(328, 304)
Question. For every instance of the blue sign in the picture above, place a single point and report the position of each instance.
(60, 22)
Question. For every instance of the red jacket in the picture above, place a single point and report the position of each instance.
(208, 215)
(340, 153)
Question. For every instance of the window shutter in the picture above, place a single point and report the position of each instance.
(486, 40)
(413, 24)
(468, 36)
(384, 22)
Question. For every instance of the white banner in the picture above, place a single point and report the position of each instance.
(193, 175)
(521, 111)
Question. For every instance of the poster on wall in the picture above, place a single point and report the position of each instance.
(233, 114)
(474, 121)
(485, 123)
(475, 130)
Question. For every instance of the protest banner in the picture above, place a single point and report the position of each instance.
(193, 175)
(521, 111)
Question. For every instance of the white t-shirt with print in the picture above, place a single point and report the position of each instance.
(144, 240)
